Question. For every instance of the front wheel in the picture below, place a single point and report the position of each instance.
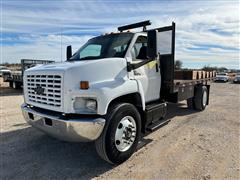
(121, 134)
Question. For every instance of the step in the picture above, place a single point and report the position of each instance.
(158, 124)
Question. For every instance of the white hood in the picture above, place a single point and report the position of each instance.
(58, 66)
(63, 66)
(90, 70)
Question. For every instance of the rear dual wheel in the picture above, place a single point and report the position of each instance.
(11, 84)
(16, 85)
(121, 134)
(200, 99)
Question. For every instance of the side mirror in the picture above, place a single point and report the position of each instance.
(152, 44)
(69, 52)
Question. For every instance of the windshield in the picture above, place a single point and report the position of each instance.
(113, 45)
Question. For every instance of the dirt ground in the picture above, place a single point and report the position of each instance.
(194, 145)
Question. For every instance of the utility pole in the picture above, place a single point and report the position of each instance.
(61, 44)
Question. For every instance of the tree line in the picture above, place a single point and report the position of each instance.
(179, 64)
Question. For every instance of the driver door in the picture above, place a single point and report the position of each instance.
(149, 74)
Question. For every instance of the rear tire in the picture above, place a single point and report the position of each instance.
(201, 98)
(16, 85)
(107, 145)
(11, 84)
(190, 103)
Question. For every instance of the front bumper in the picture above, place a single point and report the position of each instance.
(75, 130)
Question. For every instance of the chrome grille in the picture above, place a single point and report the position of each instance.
(50, 89)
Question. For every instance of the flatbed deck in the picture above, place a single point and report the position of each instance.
(181, 89)
(194, 81)
(15, 79)
(179, 84)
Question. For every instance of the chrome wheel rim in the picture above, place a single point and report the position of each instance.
(204, 98)
(125, 133)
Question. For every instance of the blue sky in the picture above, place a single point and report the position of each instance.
(207, 31)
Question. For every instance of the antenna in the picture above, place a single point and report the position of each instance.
(61, 44)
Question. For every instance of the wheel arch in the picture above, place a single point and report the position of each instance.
(132, 98)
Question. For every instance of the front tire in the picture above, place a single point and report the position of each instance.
(121, 134)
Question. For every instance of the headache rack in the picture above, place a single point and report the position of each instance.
(135, 25)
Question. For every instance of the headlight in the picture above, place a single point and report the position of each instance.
(91, 104)
(85, 105)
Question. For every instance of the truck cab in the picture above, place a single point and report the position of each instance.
(113, 90)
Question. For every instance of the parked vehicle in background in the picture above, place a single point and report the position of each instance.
(15, 78)
(222, 77)
(4, 70)
(237, 78)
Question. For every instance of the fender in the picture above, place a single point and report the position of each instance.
(127, 88)
(141, 92)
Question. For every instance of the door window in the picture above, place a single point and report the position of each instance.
(139, 50)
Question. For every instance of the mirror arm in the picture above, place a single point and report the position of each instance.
(131, 67)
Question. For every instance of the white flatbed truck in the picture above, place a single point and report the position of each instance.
(113, 90)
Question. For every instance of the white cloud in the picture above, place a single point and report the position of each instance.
(44, 47)
(196, 22)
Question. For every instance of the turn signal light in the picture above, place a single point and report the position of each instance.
(84, 85)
